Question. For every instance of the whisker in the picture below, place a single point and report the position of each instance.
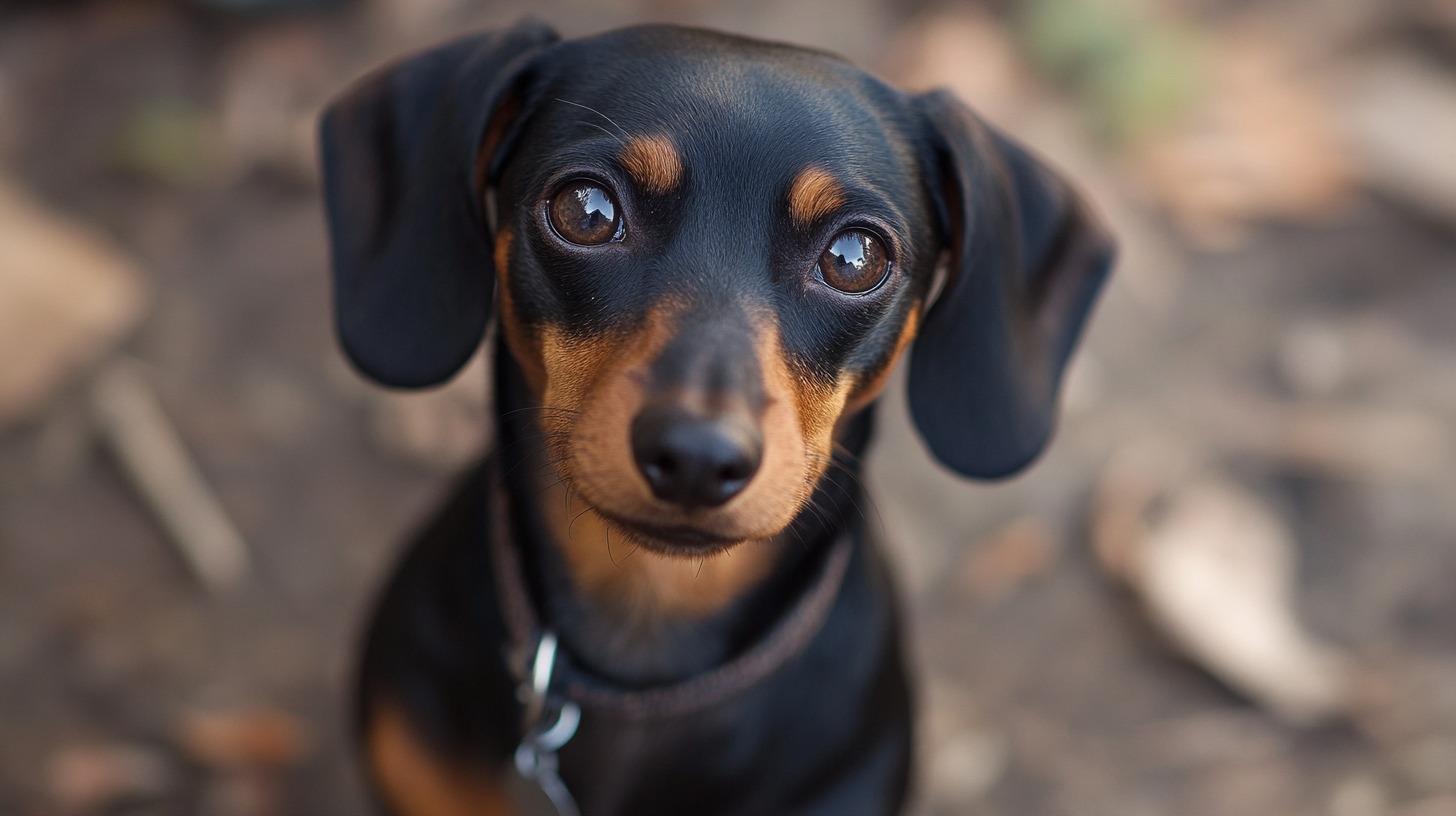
(598, 113)
(798, 536)
(811, 506)
(840, 450)
(573, 521)
(864, 494)
(541, 409)
(550, 486)
(604, 130)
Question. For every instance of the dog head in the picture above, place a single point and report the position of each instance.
(704, 252)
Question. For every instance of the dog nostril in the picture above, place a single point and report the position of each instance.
(734, 472)
(663, 467)
(692, 461)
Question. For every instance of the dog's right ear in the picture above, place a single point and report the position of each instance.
(412, 266)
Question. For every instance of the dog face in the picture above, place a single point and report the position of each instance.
(708, 251)
(700, 275)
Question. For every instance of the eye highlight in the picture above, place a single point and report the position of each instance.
(854, 262)
(584, 213)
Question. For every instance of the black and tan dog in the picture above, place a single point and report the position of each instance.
(703, 255)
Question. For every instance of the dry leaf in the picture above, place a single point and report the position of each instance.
(1217, 574)
(1214, 569)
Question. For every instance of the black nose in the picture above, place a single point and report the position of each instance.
(694, 461)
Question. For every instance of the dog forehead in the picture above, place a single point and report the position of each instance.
(722, 102)
(657, 56)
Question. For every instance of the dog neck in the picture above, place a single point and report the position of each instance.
(640, 618)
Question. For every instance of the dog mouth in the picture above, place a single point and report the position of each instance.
(670, 539)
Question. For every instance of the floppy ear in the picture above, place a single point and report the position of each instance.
(412, 266)
(1028, 259)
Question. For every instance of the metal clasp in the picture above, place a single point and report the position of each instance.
(535, 757)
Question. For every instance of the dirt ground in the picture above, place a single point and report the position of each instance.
(1283, 324)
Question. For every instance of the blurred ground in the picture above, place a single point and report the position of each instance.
(1283, 325)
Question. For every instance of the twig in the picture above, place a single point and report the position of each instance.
(152, 456)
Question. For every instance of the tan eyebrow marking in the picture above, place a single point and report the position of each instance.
(814, 194)
(653, 162)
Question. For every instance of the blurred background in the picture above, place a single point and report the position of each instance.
(1229, 589)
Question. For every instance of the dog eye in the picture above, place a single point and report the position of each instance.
(855, 262)
(584, 213)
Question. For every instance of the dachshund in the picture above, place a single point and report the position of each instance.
(702, 255)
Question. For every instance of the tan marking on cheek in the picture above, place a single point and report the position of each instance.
(818, 404)
(792, 428)
(870, 384)
(573, 364)
(576, 369)
(519, 339)
(653, 162)
(814, 194)
(416, 782)
(572, 367)
(593, 390)
(820, 408)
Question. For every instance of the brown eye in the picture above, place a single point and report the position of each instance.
(855, 262)
(584, 213)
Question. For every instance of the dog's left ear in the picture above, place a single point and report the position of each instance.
(1027, 261)
(413, 272)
